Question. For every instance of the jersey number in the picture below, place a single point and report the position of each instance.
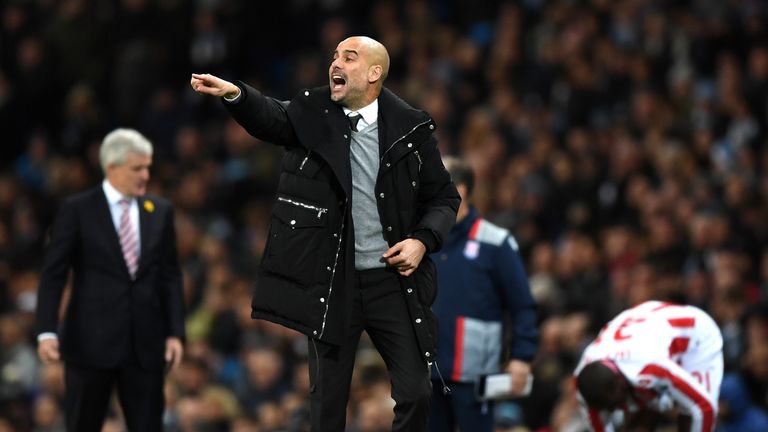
(678, 345)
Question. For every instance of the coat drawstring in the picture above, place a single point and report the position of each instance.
(446, 389)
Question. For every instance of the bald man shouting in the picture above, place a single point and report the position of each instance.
(363, 198)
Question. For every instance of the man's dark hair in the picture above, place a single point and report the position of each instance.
(602, 386)
(460, 171)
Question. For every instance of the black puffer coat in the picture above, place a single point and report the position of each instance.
(308, 264)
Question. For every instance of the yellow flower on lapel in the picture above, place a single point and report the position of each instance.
(149, 206)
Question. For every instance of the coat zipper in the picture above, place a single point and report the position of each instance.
(416, 152)
(319, 210)
(301, 167)
(333, 273)
(403, 137)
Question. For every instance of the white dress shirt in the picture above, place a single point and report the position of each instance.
(369, 113)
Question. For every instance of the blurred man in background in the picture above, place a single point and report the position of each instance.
(125, 318)
(483, 285)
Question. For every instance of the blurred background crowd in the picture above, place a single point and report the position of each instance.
(622, 142)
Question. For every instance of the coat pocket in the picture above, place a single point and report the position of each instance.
(295, 237)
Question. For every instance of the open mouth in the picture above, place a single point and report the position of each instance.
(338, 82)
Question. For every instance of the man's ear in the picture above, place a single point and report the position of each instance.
(374, 73)
(463, 191)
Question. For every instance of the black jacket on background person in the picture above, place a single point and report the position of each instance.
(308, 263)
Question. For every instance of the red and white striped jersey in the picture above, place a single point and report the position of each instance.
(670, 354)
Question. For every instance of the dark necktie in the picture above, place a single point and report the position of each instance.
(353, 119)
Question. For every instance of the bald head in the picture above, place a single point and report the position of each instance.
(360, 66)
(375, 53)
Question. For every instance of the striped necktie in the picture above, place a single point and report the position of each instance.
(128, 240)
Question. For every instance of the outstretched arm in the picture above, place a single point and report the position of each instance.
(214, 86)
(263, 117)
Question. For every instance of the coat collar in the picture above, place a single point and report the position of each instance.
(396, 117)
(321, 126)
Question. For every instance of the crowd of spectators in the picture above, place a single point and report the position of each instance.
(622, 142)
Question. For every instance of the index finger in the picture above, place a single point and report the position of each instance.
(394, 250)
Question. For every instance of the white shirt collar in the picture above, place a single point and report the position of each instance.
(369, 112)
(113, 195)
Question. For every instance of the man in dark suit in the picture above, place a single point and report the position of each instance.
(125, 318)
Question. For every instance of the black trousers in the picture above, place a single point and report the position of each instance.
(89, 389)
(378, 308)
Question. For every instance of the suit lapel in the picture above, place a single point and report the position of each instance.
(324, 129)
(146, 222)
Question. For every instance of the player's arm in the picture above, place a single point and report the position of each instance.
(689, 396)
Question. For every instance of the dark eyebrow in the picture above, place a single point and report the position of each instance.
(346, 52)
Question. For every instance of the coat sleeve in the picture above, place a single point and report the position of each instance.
(261, 116)
(170, 274)
(512, 279)
(56, 265)
(438, 199)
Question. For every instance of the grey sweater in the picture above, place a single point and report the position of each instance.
(369, 239)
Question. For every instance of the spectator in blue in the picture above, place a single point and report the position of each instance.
(737, 411)
(483, 285)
